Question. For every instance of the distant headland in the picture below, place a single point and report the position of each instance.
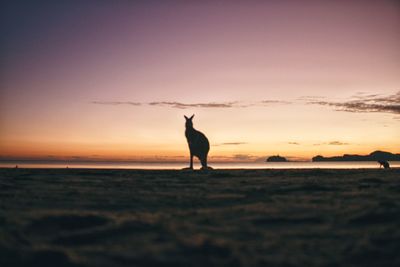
(374, 156)
(276, 159)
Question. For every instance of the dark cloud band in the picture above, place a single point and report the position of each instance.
(180, 105)
(366, 103)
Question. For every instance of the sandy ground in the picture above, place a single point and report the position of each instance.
(72, 217)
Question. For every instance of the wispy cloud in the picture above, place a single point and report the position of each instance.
(293, 143)
(234, 143)
(365, 103)
(231, 144)
(310, 98)
(181, 105)
(195, 105)
(337, 143)
(243, 157)
(116, 103)
(332, 143)
(275, 102)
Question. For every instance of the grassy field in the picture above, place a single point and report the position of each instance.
(77, 217)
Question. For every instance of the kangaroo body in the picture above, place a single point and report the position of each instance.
(384, 163)
(198, 144)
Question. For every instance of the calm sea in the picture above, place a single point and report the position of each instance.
(180, 165)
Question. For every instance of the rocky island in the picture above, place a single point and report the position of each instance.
(276, 159)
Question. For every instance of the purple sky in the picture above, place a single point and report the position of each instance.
(61, 59)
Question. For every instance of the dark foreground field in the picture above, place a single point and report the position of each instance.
(100, 218)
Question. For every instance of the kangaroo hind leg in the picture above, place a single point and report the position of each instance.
(204, 164)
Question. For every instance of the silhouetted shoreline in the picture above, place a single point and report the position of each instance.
(181, 165)
(374, 156)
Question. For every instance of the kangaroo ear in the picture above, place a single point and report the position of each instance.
(192, 117)
(185, 117)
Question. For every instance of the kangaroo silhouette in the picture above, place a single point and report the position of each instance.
(198, 144)
(384, 163)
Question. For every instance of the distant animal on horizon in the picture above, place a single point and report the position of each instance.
(384, 164)
(198, 144)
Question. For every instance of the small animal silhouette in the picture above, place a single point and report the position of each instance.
(198, 144)
(384, 163)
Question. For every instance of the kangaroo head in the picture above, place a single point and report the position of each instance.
(189, 122)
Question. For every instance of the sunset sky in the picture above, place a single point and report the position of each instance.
(111, 80)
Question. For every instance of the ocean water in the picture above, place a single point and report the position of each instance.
(180, 165)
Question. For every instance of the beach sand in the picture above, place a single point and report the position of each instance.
(315, 217)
